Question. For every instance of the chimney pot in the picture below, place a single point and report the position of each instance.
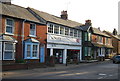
(6, 1)
(64, 15)
(88, 22)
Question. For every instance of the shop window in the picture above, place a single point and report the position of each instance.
(0, 50)
(71, 32)
(50, 28)
(56, 29)
(9, 26)
(32, 30)
(31, 50)
(8, 51)
(75, 33)
(62, 30)
(66, 31)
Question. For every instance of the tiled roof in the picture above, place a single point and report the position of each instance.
(17, 12)
(55, 19)
(115, 36)
(84, 27)
(97, 31)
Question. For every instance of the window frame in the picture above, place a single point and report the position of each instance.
(56, 29)
(49, 26)
(13, 51)
(63, 30)
(86, 36)
(12, 33)
(31, 51)
(34, 31)
(66, 31)
(1, 50)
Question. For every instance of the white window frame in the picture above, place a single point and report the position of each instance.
(13, 55)
(63, 30)
(12, 33)
(48, 25)
(67, 32)
(31, 52)
(34, 32)
(58, 30)
(1, 50)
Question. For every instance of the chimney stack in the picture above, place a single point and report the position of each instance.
(88, 22)
(64, 15)
(114, 32)
(6, 2)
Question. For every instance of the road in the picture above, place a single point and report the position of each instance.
(99, 70)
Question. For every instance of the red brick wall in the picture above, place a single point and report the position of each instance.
(41, 31)
(94, 38)
(118, 47)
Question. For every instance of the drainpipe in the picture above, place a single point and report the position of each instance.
(23, 37)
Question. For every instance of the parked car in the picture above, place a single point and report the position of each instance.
(116, 59)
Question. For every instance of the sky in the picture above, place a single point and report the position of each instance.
(102, 13)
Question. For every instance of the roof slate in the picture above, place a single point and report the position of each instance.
(55, 19)
(97, 31)
(115, 36)
(17, 12)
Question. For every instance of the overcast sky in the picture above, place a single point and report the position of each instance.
(102, 13)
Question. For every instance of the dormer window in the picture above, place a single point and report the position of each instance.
(32, 30)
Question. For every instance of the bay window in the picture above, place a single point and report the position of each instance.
(8, 51)
(31, 50)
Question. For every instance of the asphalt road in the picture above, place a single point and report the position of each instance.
(99, 70)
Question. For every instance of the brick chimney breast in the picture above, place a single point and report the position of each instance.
(6, 2)
(88, 22)
(64, 15)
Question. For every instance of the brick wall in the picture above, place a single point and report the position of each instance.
(41, 31)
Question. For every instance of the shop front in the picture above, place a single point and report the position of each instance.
(73, 56)
(58, 54)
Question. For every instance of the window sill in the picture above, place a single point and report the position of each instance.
(32, 35)
(8, 59)
(31, 58)
(9, 33)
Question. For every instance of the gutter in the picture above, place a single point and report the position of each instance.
(23, 37)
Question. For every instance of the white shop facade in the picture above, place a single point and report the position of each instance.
(63, 42)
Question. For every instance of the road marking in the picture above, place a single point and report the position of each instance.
(101, 74)
(100, 78)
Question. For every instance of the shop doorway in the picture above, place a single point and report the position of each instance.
(58, 54)
(73, 56)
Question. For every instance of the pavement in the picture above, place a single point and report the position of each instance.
(82, 70)
(59, 67)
